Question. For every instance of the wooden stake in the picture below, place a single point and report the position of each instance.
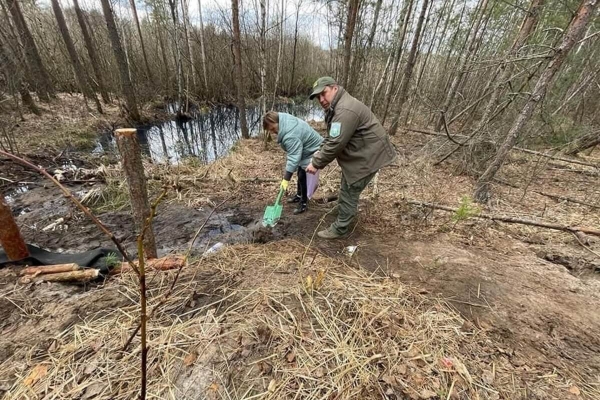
(131, 159)
(10, 236)
(50, 269)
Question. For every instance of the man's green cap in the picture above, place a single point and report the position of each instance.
(320, 84)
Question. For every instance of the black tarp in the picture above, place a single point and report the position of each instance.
(95, 258)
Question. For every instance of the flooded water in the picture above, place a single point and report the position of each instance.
(12, 195)
(209, 135)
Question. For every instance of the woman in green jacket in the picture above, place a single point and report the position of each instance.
(300, 142)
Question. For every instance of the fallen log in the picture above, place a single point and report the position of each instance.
(50, 269)
(521, 149)
(158, 264)
(550, 195)
(512, 220)
(567, 160)
(583, 143)
(83, 275)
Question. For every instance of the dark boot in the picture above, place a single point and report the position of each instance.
(301, 208)
(296, 199)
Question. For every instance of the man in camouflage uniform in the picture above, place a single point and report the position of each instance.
(359, 143)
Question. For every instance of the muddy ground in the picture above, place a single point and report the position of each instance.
(535, 292)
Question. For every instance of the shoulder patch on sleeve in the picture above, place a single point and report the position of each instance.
(336, 129)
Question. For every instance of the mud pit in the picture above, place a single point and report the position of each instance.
(39, 209)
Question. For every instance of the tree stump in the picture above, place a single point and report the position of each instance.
(10, 236)
(131, 159)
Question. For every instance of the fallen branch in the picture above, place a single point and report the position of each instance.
(553, 157)
(546, 155)
(512, 220)
(552, 196)
(50, 269)
(259, 180)
(565, 168)
(84, 275)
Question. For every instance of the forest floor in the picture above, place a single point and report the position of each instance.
(431, 304)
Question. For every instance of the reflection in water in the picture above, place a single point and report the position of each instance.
(210, 134)
(11, 196)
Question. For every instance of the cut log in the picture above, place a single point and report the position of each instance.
(131, 159)
(512, 220)
(50, 269)
(84, 275)
(159, 264)
(10, 237)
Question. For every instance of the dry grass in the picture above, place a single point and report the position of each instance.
(245, 324)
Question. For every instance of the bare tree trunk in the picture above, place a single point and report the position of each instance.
(131, 160)
(139, 30)
(163, 52)
(406, 13)
(371, 37)
(263, 58)
(280, 51)
(340, 44)
(202, 50)
(411, 107)
(127, 90)
(82, 78)
(359, 66)
(91, 50)
(410, 63)
(451, 50)
(19, 83)
(462, 68)
(295, 46)
(186, 22)
(353, 6)
(381, 80)
(178, 61)
(474, 52)
(506, 68)
(573, 33)
(239, 79)
(44, 87)
(10, 237)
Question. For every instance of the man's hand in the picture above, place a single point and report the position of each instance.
(284, 184)
(311, 169)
